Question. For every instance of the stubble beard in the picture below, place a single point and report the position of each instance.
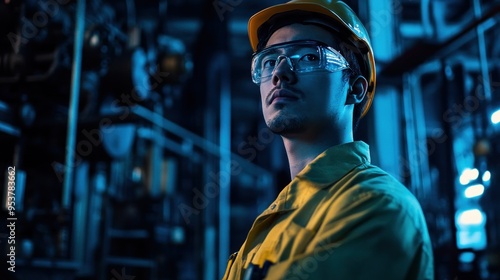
(284, 126)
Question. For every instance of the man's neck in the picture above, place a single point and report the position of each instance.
(300, 152)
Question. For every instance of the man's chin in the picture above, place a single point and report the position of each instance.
(285, 126)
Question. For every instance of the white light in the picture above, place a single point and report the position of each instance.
(464, 178)
(474, 174)
(470, 217)
(474, 190)
(468, 175)
(495, 117)
(486, 176)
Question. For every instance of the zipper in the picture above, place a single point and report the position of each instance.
(230, 262)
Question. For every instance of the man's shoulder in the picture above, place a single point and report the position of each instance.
(372, 177)
(369, 180)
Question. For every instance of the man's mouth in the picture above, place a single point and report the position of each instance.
(282, 95)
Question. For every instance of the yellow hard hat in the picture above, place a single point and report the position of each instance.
(337, 11)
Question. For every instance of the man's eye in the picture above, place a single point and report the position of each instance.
(309, 57)
(269, 63)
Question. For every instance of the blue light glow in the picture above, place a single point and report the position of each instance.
(468, 175)
(486, 176)
(471, 231)
(495, 117)
(474, 191)
(467, 257)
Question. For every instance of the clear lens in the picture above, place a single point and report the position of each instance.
(301, 56)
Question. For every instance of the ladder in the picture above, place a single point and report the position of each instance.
(117, 266)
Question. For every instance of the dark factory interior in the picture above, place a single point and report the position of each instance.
(133, 144)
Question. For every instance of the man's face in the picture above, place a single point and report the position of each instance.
(310, 103)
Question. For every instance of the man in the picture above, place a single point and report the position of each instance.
(340, 217)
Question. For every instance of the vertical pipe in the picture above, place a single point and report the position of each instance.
(218, 88)
(425, 11)
(482, 52)
(382, 28)
(224, 166)
(421, 136)
(410, 133)
(218, 77)
(486, 83)
(79, 238)
(73, 104)
(382, 17)
(449, 173)
(210, 132)
(157, 152)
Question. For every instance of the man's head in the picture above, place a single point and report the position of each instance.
(315, 89)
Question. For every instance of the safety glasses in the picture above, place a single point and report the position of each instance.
(302, 57)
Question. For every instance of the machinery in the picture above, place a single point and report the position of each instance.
(111, 179)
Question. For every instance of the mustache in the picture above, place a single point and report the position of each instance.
(283, 91)
(285, 88)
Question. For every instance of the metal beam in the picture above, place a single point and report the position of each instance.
(424, 51)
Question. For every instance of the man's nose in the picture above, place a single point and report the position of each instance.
(284, 71)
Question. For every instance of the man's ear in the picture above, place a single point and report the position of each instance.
(357, 90)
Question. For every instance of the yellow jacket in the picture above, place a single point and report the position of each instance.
(339, 218)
